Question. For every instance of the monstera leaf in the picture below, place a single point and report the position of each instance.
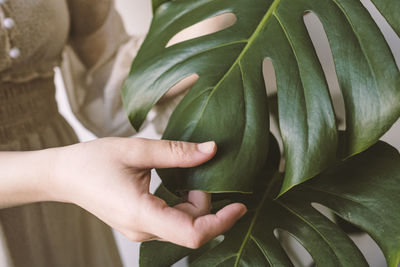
(228, 103)
(363, 190)
(157, 3)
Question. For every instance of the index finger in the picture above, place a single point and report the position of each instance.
(183, 229)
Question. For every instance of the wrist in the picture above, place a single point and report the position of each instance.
(24, 177)
(41, 174)
(54, 176)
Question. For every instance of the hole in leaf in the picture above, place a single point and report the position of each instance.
(182, 262)
(269, 77)
(299, 256)
(204, 27)
(322, 48)
(388, 33)
(271, 87)
(330, 214)
(219, 239)
(369, 249)
(363, 241)
(180, 87)
(324, 211)
(173, 96)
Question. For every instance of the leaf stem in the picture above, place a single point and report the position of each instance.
(270, 186)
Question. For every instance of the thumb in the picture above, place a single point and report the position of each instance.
(170, 154)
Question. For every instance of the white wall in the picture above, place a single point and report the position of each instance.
(137, 16)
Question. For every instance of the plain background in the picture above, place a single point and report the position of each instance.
(137, 16)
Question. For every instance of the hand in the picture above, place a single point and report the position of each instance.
(110, 178)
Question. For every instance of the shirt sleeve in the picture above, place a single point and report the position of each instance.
(96, 62)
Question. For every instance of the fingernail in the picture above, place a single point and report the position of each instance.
(244, 211)
(206, 147)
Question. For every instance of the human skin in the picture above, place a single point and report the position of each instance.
(110, 178)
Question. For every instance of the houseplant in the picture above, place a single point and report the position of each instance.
(353, 175)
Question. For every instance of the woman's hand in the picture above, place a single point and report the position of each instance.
(110, 178)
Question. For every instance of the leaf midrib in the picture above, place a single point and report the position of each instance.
(250, 41)
(254, 219)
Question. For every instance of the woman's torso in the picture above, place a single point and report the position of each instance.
(32, 36)
(41, 234)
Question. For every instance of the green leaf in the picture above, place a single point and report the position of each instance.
(363, 190)
(161, 254)
(172, 253)
(157, 3)
(390, 10)
(228, 104)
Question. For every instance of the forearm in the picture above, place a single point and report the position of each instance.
(25, 177)
(110, 178)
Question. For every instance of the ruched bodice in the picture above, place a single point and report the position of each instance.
(32, 38)
(34, 35)
(25, 109)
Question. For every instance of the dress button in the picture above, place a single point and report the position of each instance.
(8, 23)
(14, 52)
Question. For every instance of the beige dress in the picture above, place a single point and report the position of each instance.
(87, 39)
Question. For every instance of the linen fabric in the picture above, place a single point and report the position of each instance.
(86, 38)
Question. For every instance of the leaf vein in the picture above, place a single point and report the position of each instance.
(263, 251)
(311, 225)
(349, 199)
(297, 60)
